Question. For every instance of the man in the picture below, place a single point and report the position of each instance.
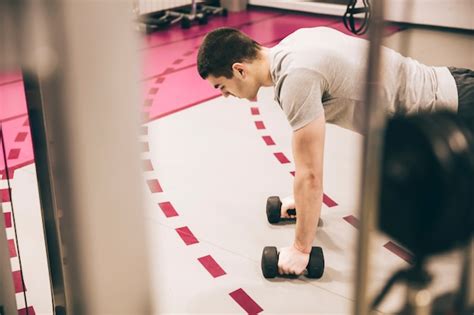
(319, 75)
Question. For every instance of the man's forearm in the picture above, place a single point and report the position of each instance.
(308, 201)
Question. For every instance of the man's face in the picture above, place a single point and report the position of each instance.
(241, 85)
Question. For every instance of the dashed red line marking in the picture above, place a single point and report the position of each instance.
(245, 301)
(168, 70)
(168, 209)
(260, 125)
(391, 246)
(148, 102)
(292, 173)
(268, 140)
(187, 236)
(147, 166)
(29, 311)
(212, 266)
(160, 80)
(13, 154)
(154, 186)
(21, 137)
(328, 201)
(400, 252)
(145, 147)
(12, 248)
(26, 123)
(18, 282)
(255, 111)
(352, 220)
(188, 53)
(281, 158)
(8, 219)
(153, 91)
(178, 61)
(5, 195)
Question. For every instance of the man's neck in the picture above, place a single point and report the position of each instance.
(264, 67)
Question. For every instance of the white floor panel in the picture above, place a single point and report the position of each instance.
(217, 172)
(31, 240)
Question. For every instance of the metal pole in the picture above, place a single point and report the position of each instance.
(373, 141)
(85, 66)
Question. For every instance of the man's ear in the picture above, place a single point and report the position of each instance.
(239, 70)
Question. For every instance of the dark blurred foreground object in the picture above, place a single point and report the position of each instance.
(427, 201)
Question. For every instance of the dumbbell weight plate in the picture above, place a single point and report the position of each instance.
(316, 263)
(273, 209)
(270, 262)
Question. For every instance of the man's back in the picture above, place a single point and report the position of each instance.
(333, 66)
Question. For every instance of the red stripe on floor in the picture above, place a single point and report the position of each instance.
(147, 166)
(186, 235)
(259, 125)
(400, 252)
(168, 70)
(281, 158)
(145, 147)
(292, 173)
(212, 266)
(11, 170)
(21, 137)
(153, 91)
(168, 209)
(148, 102)
(178, 61)
(255, 111)
(246, 302)
(26, 123)
(154, 186)
(18, 282)
(188, 53)
(8, 219)
(328, 201)
(13, 154)
(160, 80)
(24, 311)
(5, 195)
(268, 140)
(352, 220)
(12, 248)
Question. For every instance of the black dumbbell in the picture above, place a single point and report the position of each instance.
(315, 267)
(274, 209)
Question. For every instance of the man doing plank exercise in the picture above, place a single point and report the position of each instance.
(318, 75)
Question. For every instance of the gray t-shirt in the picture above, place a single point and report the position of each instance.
(321, 69)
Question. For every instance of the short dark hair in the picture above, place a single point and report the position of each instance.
(222, 48)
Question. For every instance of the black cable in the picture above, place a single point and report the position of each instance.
(399, 275)
(349, 19)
